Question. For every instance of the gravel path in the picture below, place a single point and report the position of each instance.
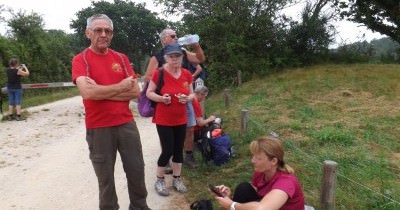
(44, 162)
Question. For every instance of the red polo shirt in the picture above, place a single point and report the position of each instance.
(105, 69)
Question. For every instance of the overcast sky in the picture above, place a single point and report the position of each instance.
(57, 14)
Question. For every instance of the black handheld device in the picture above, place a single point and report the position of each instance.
(215, 190)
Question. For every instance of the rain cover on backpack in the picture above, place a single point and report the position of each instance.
(221, 149)
(215, 144)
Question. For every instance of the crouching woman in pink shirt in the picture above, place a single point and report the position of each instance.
(273, 186)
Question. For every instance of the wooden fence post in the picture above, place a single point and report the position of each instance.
(328, 185)
(239, 75)
(244, 121)
(227, 97)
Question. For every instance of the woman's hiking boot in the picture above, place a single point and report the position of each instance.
(19, 118)
(179, 185)
(160, 187)
(10, 117)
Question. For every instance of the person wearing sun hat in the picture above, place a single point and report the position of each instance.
(190, 61)
(170, 115)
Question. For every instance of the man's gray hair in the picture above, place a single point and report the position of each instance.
(92, 18)
(201, 89)
(164, 33)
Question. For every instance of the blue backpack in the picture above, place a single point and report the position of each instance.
(221, 149)
(217, 148)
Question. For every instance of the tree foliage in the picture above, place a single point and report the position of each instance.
(5, 50)
(236, 34)
(383, 50)
(46, 53)
(382, 16)
(135, 28)
(250, 36)
(309, 39)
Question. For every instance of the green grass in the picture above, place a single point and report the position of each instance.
(345, 113)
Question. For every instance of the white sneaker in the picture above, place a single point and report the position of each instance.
(161, 188)
(179, 185)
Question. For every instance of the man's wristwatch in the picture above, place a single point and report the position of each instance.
(233, 206)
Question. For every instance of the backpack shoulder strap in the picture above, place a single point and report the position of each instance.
(160, 58)
(160, 81)
(185, 61)
(86, 63)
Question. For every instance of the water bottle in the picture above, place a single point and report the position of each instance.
(188, 39)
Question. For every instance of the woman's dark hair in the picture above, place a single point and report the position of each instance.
(13, 62)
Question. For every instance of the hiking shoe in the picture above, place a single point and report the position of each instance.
(19, 118)
(161, 188)
(178, 184)
(10, 117)
(190, 161)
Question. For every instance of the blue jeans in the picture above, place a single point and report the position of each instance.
(14, 97)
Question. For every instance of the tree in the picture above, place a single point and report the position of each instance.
(2, 9)
(60, 53)
(250, 36)
(5, 47)
(46, 53)
(136, 28)
(28, 36)
(5, 55)
(310, 38)
(382, 16)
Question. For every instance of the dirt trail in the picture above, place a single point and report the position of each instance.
(44, 162)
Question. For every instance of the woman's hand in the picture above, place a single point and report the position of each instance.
(166, 98)
(182, 98)
(22, 70)
(224, 202)
(225, 191)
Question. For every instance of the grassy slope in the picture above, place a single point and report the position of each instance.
(345, 113)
